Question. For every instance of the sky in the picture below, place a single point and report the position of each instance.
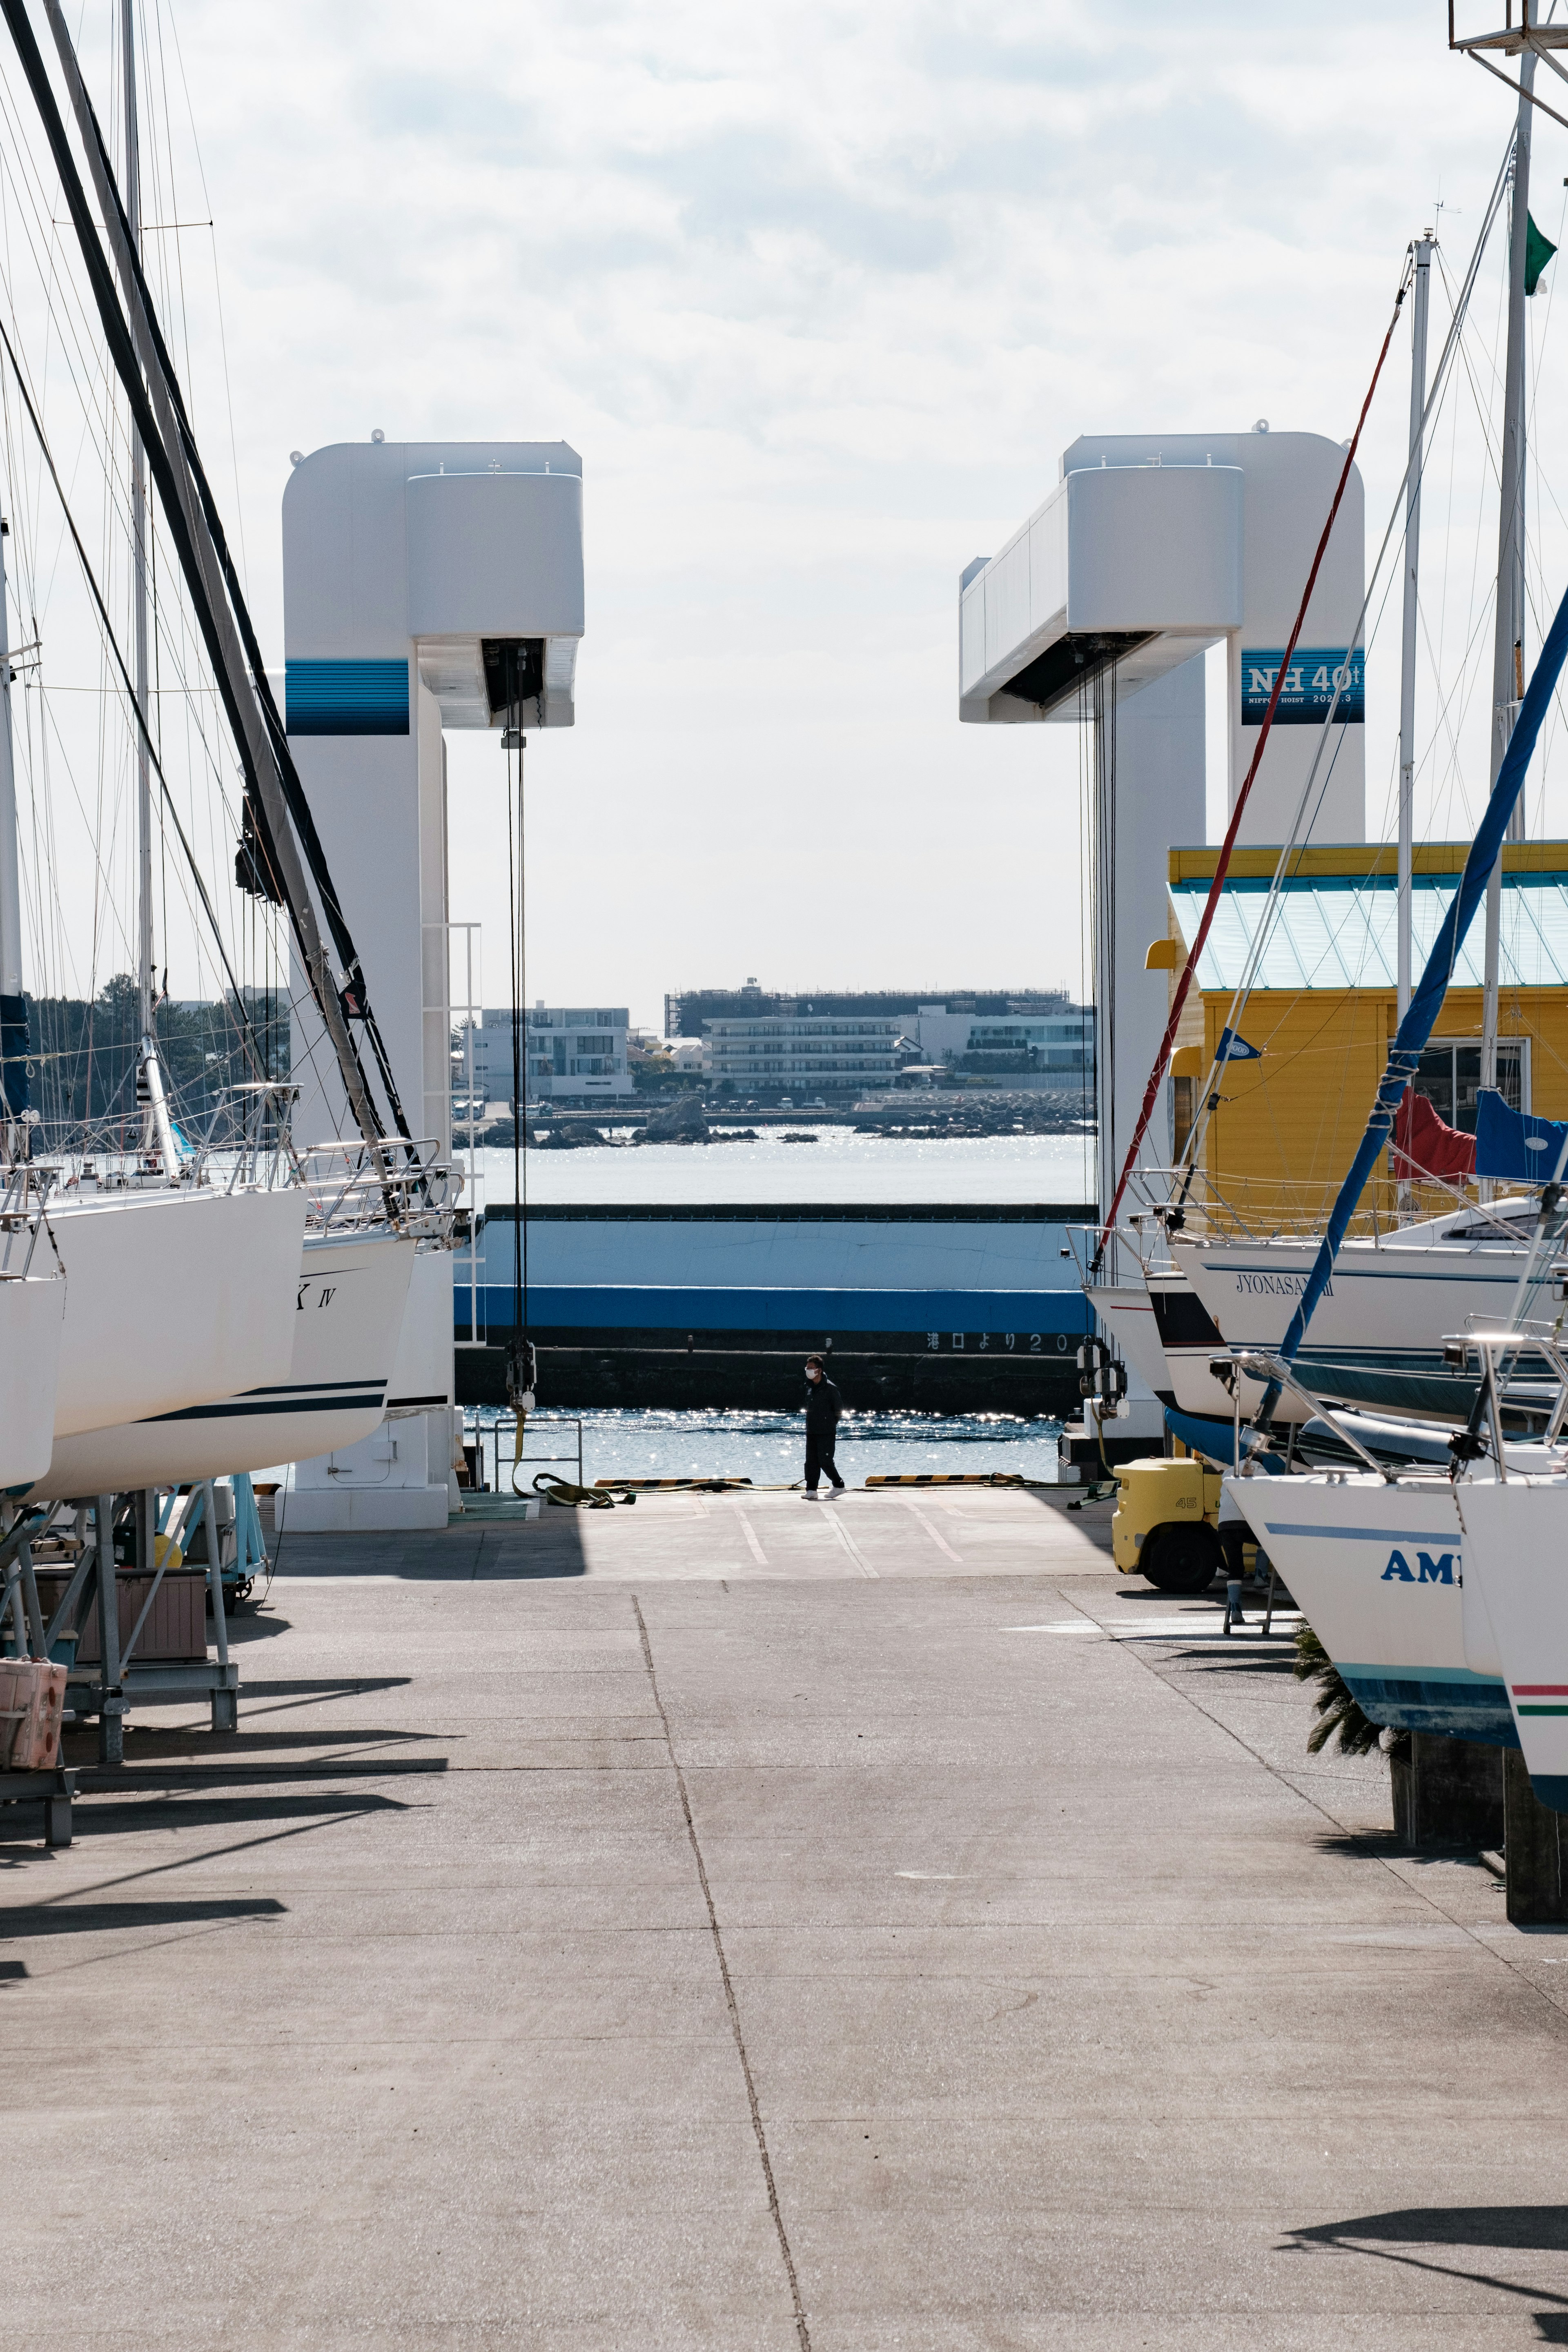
(820, 294)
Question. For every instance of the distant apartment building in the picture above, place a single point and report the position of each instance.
(571, 1055)
(1015, 1043)
(689, 1010)
(824, 1043)
(800, 1053)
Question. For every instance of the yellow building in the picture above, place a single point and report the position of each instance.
(1322, 1011)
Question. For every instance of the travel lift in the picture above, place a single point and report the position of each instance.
(428, 585)
(1097, 611)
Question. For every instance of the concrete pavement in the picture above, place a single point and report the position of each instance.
(881, 1929)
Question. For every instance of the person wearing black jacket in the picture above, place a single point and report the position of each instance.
(823, 1406)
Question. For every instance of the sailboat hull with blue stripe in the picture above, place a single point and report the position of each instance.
(173, 1295)
(1377, 1569)
(347, 1315)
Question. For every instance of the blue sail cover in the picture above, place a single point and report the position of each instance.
(1216, 1441)
(1512, 1145)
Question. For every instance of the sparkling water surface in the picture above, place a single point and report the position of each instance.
(766, 1447)
(840, 1167)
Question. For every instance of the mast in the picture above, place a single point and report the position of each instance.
(1408, 643)
(149, 1075)
(1407, 646)
(13, 1004)
(1508, 643)
(132, 181)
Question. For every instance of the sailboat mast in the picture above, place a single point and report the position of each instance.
(159, 1131)
(1508, 647)
(1419, 291)
(1407, 645)
(132, 199)
(13, 1004)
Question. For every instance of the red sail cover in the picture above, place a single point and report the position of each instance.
(1423, 1146)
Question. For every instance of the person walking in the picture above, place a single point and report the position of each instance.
(823, 1406)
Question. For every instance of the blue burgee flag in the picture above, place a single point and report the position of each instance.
(1514, 1145)
(1232, 1049)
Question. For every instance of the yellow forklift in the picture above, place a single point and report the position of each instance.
(1165, 1525)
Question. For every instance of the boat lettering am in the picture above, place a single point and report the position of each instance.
(1427, 1571)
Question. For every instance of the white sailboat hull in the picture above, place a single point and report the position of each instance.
(345, 1302)
(1192, 1339)
(1514, 1534)
(1378, 1570)
(1376, 1336)
(172, 1299)
(1128, 1313)
(32, 1314)
(1169, 1337)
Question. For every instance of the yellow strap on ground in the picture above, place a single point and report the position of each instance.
(957, 1478)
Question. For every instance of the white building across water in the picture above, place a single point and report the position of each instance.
(1018, 1044)
(572, 1053)
(800, 1053)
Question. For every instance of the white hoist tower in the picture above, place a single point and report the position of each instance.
(1151, 547)
(426, 585)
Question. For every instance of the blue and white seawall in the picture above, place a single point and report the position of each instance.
(961, 1309)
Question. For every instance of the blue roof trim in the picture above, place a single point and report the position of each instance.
(347, 697)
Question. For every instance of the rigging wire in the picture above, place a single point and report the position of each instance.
(1184, 983)
(113, 643)
(1290, 850)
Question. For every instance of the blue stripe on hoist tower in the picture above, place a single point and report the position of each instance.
(347, 697)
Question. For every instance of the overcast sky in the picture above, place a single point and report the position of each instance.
(820, 294)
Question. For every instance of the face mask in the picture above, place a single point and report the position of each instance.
(813, 1372)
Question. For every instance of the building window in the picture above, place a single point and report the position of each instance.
(1181, 1115)
(1449, 1075)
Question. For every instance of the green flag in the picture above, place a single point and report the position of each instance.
(1537, 252)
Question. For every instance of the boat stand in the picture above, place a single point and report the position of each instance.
(56, 1785)
(116, 1681)
(19, 1600)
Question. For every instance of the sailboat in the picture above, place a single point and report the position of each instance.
(1378, 1329)
(1441, 1600)
(1513, 1529)
(215, 1324)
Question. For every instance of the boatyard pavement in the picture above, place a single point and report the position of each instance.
(865, 1927)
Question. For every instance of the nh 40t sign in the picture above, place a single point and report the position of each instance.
(1310, 685)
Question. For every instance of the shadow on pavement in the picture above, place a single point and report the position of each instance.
(1420, 2229)
(29, 1920)
(547, 1547)
(202, 1811)
(150, 1780)
(163, 1746)
(1384, 1846)
(315, 1686)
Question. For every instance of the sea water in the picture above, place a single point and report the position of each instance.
(766, 1447)
(839, 1167)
